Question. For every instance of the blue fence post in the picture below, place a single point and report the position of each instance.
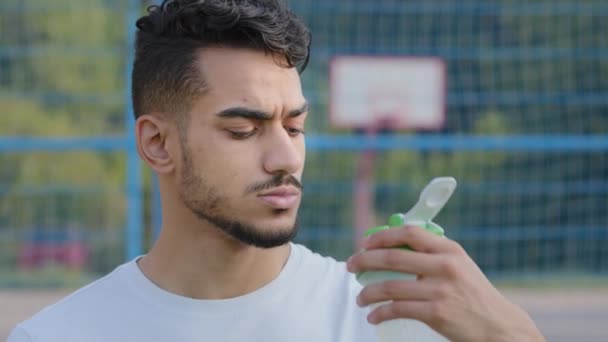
(134, 229)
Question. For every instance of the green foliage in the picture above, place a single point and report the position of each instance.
(67, 58)
(29, 118)
(62, 67)
(61, 75)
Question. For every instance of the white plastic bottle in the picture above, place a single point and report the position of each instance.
(432, 199)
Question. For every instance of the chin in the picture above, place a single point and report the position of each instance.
(258, 228)
(289, 214)
(269, 235)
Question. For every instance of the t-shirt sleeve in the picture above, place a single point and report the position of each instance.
(19, 335)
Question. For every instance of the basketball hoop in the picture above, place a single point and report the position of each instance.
(383, 94)
(407, 92)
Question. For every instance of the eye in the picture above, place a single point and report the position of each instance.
(240, 135)
(294, 131)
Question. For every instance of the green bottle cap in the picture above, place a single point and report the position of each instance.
(374, 230)
(398, 220)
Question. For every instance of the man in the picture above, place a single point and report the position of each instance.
(220, 119)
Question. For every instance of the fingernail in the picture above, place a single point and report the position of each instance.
(371, 318)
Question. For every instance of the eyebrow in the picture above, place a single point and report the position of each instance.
(248, 113)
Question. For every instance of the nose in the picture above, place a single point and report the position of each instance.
(283, 153)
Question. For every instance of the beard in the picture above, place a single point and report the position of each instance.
(206, 202)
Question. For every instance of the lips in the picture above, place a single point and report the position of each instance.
(284, 197)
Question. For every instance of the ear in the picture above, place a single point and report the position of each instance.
(153, 145)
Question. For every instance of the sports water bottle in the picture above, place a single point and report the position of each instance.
(432, 199)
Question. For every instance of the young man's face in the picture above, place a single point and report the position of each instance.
(243, 149)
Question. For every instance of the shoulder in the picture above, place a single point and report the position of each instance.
(328, 291)
(74, 308)
(319, 262)
(19, 335)
(318, 269)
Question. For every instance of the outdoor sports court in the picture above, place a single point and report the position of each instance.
(509, 98)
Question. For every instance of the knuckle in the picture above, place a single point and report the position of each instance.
(434, 310)
(442, 318)
(456, 247)
(391, 310)
(442, 291)
(411, 233)
(438, 314)
(448, 267)
(374, 239)
(404, 309)
(391, 288)
(392, 258)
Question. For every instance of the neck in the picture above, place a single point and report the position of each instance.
(197, 260)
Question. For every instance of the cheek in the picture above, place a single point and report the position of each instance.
(301, 148)
(226, 167)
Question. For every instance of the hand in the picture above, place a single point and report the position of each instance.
(451, 294)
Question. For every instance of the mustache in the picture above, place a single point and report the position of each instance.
(274, 182)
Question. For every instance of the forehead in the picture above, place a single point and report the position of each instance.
(242, 76)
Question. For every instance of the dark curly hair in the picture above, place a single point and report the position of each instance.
(165, 76)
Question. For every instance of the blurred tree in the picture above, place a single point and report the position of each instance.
(62, 74)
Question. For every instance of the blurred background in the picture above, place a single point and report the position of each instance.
(525, 134)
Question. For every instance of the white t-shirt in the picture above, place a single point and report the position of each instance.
(312, 299)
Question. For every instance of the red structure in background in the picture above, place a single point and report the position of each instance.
(61, 247)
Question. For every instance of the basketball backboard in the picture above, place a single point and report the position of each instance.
(397, 93)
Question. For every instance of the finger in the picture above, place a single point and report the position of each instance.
(416, 238)
(419, 310)
(395, 290)
(394, 259)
